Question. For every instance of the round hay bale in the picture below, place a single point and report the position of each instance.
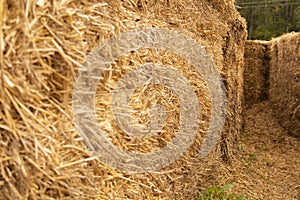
(43, 44)
(256, 73)
(285, 81)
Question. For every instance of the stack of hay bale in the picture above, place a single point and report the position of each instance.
(256, 74)
(285, 81)
(43, 43)
(272, 71)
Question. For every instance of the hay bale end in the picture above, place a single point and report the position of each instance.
(43, 44)
(256, 72)
(285, 81)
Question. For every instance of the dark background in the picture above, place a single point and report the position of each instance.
(267, 19)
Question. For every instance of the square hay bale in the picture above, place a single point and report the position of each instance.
(43, 44)
(256, 71)
(285, 81)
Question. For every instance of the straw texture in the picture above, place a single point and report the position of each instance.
(43, 43)
(285, 81)
(256, 74)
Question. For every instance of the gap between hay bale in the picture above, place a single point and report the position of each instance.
(42, 45)
(285, 81)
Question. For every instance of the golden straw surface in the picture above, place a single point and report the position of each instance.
(43, 43)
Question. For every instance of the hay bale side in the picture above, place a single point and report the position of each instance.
(256, 72)
(285, 81)
(42, 46)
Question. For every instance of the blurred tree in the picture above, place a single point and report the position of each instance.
(270, 18)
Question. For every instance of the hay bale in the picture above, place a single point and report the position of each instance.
(256, 72)
(43, 43)
(285, 81)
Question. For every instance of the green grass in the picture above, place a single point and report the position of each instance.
(220, 193)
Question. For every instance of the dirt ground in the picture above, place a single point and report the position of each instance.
(269, 165)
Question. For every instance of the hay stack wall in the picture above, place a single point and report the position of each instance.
(42, 45)
(285, 81)
(256, 71)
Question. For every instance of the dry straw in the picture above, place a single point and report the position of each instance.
(256, 73)
(42, 45)
(285, 81)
